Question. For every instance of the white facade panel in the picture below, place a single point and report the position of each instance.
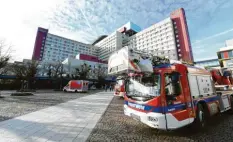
(226, 48)
(59, 48)
(71, 64)
(229, 42)
(109, 44)
(158, 38)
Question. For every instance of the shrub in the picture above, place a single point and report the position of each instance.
(21, 94)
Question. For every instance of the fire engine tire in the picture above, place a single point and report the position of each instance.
(75, 91)
(65, 90)
(200, 120)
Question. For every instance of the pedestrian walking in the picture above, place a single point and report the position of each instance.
(106, 87)
(110, 87)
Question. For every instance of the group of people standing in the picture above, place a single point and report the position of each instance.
(108, 86)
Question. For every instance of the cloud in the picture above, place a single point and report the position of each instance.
(19, 22)
(104, 16)
(199, 51)
(198, 47)
(213, 36)
(207, 51)
(207, 46)
(85, 20)
(206, 58)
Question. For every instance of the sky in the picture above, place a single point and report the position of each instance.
(210, 22)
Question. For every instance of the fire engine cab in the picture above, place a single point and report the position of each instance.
(166, 94)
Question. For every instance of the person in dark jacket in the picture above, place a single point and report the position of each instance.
(106, 87)
(110, 87)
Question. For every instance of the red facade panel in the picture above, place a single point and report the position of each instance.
(91, 58)
(40, 37)
(225, 54)
(182, 35)
(88, 57)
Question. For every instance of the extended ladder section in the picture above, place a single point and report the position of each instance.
(128, 60)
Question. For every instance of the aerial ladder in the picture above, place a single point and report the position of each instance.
(222, 78)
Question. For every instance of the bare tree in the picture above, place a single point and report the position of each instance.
(46, 69)
(82, 71)
(100, 72)
(5, 56)
(57, 73)
(55, 69)
(25, 72)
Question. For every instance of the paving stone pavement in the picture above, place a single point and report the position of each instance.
(67, 122)
(114, 126)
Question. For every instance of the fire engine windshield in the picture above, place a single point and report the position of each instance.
(142, 86)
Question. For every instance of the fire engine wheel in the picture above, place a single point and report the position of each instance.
(201, 117)
(65, 90)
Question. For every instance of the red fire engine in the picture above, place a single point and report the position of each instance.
(166, 94)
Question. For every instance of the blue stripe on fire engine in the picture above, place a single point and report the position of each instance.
(162, 66)
(169, 108)
(156, 109)
(207, 100)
